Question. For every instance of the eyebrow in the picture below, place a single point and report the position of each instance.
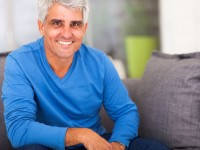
(78, 21)
(60, 20)
(56, 20)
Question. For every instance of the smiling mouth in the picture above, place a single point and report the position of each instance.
(65, 43)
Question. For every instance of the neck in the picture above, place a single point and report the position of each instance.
(60, 66)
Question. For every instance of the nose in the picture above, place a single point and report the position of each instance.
(67, 32)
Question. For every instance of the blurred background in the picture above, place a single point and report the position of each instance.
(126, 30)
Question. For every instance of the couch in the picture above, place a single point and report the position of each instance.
(168, 100)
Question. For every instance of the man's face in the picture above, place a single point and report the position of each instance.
(63, 31)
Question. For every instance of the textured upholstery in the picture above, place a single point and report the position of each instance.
(4, 142)
(168, 98)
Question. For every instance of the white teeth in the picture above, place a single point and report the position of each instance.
(64, 43)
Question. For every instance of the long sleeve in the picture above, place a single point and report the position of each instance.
(40, 107)
(119, 107)
(21, 109)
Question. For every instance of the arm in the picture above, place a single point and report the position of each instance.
(119, 107)
(20, 111)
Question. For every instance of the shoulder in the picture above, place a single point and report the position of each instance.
(95, 57)
(24, 56)
(92, 54)
(27, 50)
(86, 50)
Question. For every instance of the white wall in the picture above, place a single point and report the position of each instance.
(3, 25)
(25, 16)
(18, 23)
(180, 26)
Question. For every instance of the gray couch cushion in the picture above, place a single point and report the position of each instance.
(4, 142)
(168, 100)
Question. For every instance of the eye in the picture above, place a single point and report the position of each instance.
(76, 24)
(56, 22)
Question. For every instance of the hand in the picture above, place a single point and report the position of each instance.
(117, 146)
(90, 139)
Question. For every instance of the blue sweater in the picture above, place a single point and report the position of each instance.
(40, 106)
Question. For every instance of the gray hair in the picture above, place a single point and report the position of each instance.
(44, 5)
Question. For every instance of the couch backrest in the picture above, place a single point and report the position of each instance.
(4, 142)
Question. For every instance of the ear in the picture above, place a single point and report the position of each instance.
(41, 27)
(85, 27)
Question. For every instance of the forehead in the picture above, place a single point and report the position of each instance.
(57, 11)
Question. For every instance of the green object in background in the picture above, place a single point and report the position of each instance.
(138, 52)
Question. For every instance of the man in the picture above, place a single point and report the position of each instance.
(54, 88)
